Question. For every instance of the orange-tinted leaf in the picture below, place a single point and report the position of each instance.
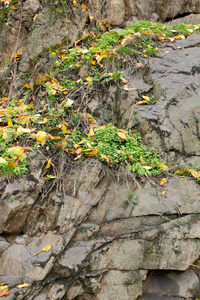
(12, 164)
(27, 85)
(163, 181)
(141, 102)
(84, 8)
(105, 157)
(164, 167)
(78, 151)
(92, 152)
(4, 293)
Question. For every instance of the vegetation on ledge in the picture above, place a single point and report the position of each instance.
(45, 118)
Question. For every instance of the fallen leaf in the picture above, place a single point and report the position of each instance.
(145, 98)
(105, 157)
(92, 152)
(141, 102)
(163, 181)
(163, 193)
(49, 163)
(164, 167)
(122, 135)
(4, 293)
(147, 167)
(41, 136)
(10, 124)
(27, 85)
(46, 248)
(139, 65)
(21, 286)
(84, 8)
(5, 136)
(50, 177)
(34, 18)
(129, 89)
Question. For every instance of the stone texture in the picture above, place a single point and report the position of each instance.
(18, 260)
(117, 12)
(102, 246)
(158, 10)
(179, 285)
(15, 204)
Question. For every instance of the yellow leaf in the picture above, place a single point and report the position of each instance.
(10, 124)
(164, 167)
(34, 18)
(3, 287)
(124, 80)
(141, 102)
(41, 136)
(92, 152)
(129, 89)
(163, 193)
(194, 173)
(48, 164)
(163, 181)
(105, 157)
(5, 136)
(64, 122)
(147, 167)
(21, 286)
(74, 2)
(121, 135)
(145, 98)
(46, 248)
(84, 8)
(89, 78)
(2, 161)
(50, 177)
(28, 149)
(179, 172)
(78, 151)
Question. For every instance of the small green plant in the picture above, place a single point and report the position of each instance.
(131, 199)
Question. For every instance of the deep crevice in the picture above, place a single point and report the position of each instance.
(180, 16)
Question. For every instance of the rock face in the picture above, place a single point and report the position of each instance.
(119, 11)
(103, 247)
(171, 124)
(84, 240)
